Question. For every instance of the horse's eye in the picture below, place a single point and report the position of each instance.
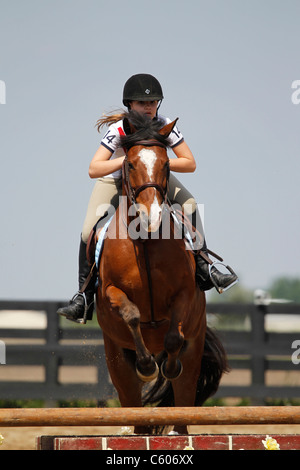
(130, 166)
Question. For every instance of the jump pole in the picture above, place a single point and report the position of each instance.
(15, 417)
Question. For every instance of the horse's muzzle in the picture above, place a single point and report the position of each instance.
(150, 219)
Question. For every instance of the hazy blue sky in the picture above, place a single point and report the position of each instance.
(226, 67)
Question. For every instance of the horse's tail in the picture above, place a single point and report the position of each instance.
(214, 364)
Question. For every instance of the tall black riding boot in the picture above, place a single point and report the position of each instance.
(208, 276)
(81, 306)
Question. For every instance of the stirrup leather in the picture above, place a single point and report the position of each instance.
(81, 293)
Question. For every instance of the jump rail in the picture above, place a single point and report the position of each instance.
(14, 417)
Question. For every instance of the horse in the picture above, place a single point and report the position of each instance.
(158, 347)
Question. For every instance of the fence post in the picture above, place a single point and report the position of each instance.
(52, 337)
(258, 352)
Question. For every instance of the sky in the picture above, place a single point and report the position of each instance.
(227, 68)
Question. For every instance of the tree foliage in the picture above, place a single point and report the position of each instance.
(238, 294)
(286, 288)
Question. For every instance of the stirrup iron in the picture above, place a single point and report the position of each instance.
(218, 288)
(82, 320)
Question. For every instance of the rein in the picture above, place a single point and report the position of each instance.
(132, 194)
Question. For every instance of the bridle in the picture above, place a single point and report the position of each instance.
(132, 193)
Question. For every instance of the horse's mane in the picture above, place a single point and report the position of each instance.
(145, 129)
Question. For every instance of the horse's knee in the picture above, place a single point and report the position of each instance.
(130, 314)
(115, 296)
(173, 342)
(128, 310)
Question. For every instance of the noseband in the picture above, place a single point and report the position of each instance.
(133, 193)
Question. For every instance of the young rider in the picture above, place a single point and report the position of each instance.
(141, 93)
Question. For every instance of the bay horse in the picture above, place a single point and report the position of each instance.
(151, 312)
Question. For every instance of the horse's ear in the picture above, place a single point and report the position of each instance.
(167, 129)
(128, 127)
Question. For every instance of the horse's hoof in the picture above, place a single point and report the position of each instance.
(147, 378)
(176, 375)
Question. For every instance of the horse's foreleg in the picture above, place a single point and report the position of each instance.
(146, 366)
(122, 374)
(172, 368)
(121, 369)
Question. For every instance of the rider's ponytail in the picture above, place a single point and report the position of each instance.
(111, 118)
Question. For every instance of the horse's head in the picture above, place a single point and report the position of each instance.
(146, 168)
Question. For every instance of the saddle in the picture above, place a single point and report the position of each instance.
(190, 234)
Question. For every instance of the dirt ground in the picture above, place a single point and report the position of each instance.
(25, 438)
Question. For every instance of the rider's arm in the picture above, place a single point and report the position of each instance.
(101, 164)
(185, 162)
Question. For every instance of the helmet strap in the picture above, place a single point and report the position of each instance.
(158, 106)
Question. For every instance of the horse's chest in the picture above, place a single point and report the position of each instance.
(133, 266)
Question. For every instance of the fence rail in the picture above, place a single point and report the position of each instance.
(260, 351)
(255, 349)
(210, 415)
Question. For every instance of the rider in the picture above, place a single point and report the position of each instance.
(142, 93)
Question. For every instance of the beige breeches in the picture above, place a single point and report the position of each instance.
(105, 196)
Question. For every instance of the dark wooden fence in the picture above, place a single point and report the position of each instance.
(253, 349)
(260, 351)
(52, 348)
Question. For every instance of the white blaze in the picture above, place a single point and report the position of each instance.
(148, 157)
(155, 213)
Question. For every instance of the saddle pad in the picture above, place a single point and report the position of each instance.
(100, 241)
(187, 236)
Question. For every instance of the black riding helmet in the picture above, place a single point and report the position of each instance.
(142, 87)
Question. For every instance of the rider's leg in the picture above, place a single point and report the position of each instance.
(81, 306)
(179, 195)
(206, 278)
(105, 195)
(210, 277)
